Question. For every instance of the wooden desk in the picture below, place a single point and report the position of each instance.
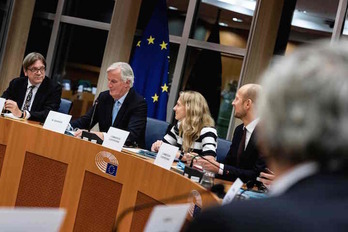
(40, 168)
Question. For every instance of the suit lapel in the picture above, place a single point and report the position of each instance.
(40, 94)
(123, 108)
(108, 110)
(22, 91)
(252, 141)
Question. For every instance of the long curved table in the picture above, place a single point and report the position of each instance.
(41, 168)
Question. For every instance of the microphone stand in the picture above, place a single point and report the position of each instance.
(149, 205)
(92, 118)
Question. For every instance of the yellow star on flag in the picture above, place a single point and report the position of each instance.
(164, 88)
(138, 44)
(155, 98)
(151, 40)
(163, 45)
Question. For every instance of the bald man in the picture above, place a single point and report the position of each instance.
(243, 160)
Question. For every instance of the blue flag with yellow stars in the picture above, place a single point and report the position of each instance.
(150, 63)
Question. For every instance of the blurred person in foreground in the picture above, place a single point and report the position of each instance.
(120, 107)
(244, 159)
(304, 129)
(195, 132)
(34, 95)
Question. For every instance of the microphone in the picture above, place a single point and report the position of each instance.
(201, 156)
(91, 122)
(152, 204)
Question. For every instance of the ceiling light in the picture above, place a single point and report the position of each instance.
(237, 20)
(223, 24)
(172, 8)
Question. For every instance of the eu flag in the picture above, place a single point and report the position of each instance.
(150, 63)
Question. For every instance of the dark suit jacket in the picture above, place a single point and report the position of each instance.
(317, 203)
(251, 163)
(131, 116)
(47, 96)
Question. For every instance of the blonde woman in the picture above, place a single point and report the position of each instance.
(195, 132)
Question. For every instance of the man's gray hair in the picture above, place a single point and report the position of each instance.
(126, 71)
(304, 105)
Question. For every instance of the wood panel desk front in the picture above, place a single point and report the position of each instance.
(40, 168)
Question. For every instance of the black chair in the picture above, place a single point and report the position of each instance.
(155, 130)
(223, 146)
(65, 106)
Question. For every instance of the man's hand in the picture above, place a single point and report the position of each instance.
(266, 178)
(13, 108)
(209, 163)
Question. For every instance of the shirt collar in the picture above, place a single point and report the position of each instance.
(291, 177)
(29, 85)
(121, 100)
(251, 126)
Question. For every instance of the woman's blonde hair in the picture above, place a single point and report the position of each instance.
(197, 117)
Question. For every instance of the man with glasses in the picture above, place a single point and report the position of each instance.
(33, 96)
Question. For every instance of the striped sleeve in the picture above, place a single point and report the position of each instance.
(208, 137)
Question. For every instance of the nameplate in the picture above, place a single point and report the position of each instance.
(57, 122)
(232, 192)
(166, 155)
(2, 103)
(115, 138)
(169, 218)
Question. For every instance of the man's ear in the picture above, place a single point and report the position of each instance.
(248, 103)
(25, 72)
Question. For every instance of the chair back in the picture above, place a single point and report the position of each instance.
(65, 106)
(155, 130)
(223, 146)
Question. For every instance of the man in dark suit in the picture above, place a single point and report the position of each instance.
(33, 96)
(120, 107)
(243, 160)
(304, 113)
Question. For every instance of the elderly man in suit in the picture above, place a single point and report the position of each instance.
(243, 159)
(120, 107)
(304, 132)
(33, 96)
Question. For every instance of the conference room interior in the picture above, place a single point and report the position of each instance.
(81, 38)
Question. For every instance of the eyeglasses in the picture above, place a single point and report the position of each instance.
(35, 70)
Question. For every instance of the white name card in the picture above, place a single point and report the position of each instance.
(31, 219)
(57, 122)
(2, 103)
(232, 192)
(115, 138)
(168, 218)
(166, 155)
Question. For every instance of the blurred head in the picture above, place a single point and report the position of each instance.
(34, 67)
(193, 112)
(245, 100)
(304, 106)
(120, 79)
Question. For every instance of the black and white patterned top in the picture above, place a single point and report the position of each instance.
(204, 145)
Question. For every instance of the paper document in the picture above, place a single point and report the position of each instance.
(31, 219)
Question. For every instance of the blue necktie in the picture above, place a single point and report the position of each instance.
(115, 111)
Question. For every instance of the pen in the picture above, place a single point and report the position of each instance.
(269, 171)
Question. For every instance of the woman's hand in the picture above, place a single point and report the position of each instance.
(156, 145)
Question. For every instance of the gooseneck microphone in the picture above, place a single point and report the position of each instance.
(152, 204)
(201, 156)
(92, 118)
